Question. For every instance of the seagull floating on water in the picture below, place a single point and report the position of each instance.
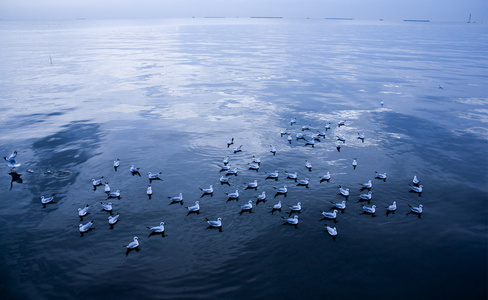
(112, 220)
(354, 163)
(293, 121)
(230, 142)
(303, 182)
(157, 229)
(284, 132)
(83, 211)
(134, 171)
(341, 138)
(224, 180)
(115, 194)
(246, 207)
(327, 126)
(415, 181)
(252, 185)
(291, 221)
(392, 207)
(344, 192)
(361, 136)
(331, 230)
(417, 189)
(231, 172)
(11, 161)
(256, 160)
(253, 167)
(47, 200)
(216, 224)
(107, 206)
(300, 136)
(341, 123)
(368, 185)
(85, 227)
(224, 168)
(238, 149)
(226, 160)
(326, 177)
(310, 143)
(416, 210)
(381, 176)
(290, 175)
(272, 149)
(339, 205)
(116, 164)
(234, 195)
(305, 127)
(338, 147)
(107, 188)
(289, 139)
(296, 208)
(134, 244)
(261, 197)
(177, 199)
(273, 175)
(281, 190)
(331, 215)
(97, 182)
(195, 208)
(154, 176)
(308, 165)
(209, 190)
(149, 191)
(369, 210)
(366, 197)
(277, 206)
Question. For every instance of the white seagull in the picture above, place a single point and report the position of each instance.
(331, 230)
(392, 207)
(83, 211)
(341, 138)
(112, 220)
(230, 142)
(47, 200)
(292, 221)
(262, 197)
(256, 160)
(344, 192)
(116, 163)
(115, 194)
(178, 198)
(354, 163)
(367, 196)
(85, 227)
(281, 190)
(415, 181)
(247, 206)
(149, 191)
(224, 179)
(238, 149)
(339, 205)
(326, 177)
(253, 166)
(217, 223)
(272, 149)
(157, 229)
(209, 190)
(231, 172)
(308, 165)
(272, 175)
(154, 176)
(369, 210)
(332, 215)
(416, 210)
(341, 123)
(97, 182)
(251, 185)
(380, 175)
(417, 189)
(107, 206)
(297, 207)
(195, 207)
(134, 244)
(226, 160)
(303, 182)
(367, 185)
(290, 175)
(107, 188)
(234, 195)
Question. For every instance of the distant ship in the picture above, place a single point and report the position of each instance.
(416, 20)
(469, 20)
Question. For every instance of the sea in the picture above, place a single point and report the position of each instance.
(165, 95)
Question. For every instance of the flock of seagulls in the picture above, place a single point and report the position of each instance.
(295, 209)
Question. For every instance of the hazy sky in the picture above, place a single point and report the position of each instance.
(435, 10)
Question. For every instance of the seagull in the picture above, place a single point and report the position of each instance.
(47, 200)
(253, 166)
(331, 215)
(416, 210)
(281, 190)
(368, 185)
(291, 221)
(230, 142)
(295, 208)
(273, 175)
(326, 177)
(367, 196)
(369, 210)
(339, 205)
(252, 185)
(256, 160)
(341, 138)
(11, 161)
(277, 206)
(392, 207)
(293, 121)
(308, 165)
(107, 188)
(341, 123)
(361, 136)
(217, 223)
(327, 126)
(284, 132)
(112, 220)
(83, 211)
(320, 133)
(134, 244)
(224, 168)
(86, 227)
(134, 171)
(354, 163)
(157, 229)
(417, 189)
(261, 197)
(315, 137)
(382, 103)
(234, 195)
(331, 230)
(338, 147)
(415, 181)
(303, 182)
(381, 176)
(115, 194)
(97, 182)
(344, 192)
(224, 180)
(310, 143)
(238, 149)
(231, 172)
(154, 176)
(210, 189)
(293, 176)
(149, 191)
(226, 160)
(272, 149)
(305, 127)
(107, 206)
(300, 136)
(289, 139)
(194, 208)
(177, 199)
(116, 164)
(246, 207)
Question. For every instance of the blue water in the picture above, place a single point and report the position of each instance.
(166, 95)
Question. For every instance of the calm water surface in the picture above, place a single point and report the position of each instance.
(166, 95)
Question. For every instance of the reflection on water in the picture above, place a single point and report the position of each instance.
(167, 95)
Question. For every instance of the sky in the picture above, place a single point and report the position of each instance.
(434, 10)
